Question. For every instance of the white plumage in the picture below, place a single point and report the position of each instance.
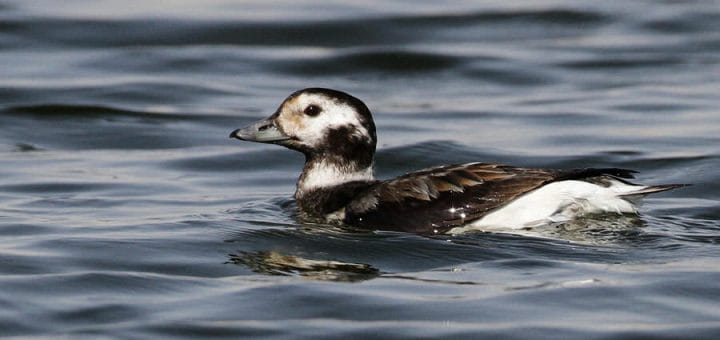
(559, 202)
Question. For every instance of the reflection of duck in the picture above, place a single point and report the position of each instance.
(336, 133)
(275, 263)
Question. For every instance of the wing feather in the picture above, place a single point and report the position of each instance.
(443, 197)
(435, 200)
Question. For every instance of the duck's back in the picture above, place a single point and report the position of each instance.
(439, 199)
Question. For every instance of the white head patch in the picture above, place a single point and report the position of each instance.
(310, 130)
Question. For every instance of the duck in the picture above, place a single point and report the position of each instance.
(335, 131)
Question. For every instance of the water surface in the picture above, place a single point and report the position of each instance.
(125, 211)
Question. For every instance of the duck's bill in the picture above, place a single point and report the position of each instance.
(263, 131)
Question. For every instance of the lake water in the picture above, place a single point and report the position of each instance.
(126, 211)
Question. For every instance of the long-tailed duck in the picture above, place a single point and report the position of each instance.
(336, 133)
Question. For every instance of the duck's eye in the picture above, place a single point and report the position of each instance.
(312, 110)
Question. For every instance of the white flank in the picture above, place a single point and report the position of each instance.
(326, 175)
(557, 202)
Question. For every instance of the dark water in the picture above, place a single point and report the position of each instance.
(125, 211)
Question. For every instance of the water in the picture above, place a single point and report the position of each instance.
(125, 211)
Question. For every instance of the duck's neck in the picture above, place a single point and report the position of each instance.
(325, 173)
(324, 188)
(335, 174)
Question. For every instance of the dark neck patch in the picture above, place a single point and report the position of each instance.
(319, 202)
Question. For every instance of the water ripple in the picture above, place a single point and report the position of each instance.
(386, 61)
(126, 211)
(159, 32)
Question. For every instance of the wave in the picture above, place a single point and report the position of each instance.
(81, 32)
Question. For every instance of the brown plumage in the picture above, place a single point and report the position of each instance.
(438, 199)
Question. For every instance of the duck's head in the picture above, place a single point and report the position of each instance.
(330, 127)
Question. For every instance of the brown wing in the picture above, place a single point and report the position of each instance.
(443, 197)
(438, 199)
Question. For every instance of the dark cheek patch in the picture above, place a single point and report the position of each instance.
(342, 139)
(347, 141)
(339, 135)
